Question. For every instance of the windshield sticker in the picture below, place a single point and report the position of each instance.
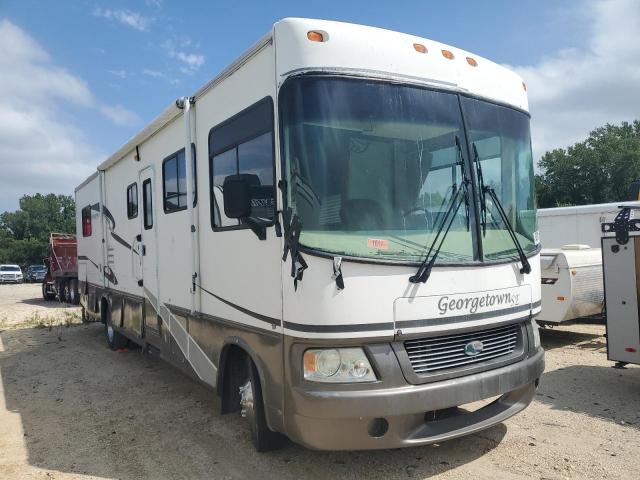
(378, 243)
(536, 237)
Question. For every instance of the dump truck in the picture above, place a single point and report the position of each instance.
(61, 279)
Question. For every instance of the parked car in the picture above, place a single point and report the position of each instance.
(10, 274)
(35, 273)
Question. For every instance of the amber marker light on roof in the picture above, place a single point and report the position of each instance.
(420, 48)
(315, 36)
(447, 54)
(472, 62)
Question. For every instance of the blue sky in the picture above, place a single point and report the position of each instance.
(114, 65)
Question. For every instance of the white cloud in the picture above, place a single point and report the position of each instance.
(191, 62)
(40, 151)
(119, 73)
(573, 91)
(153, 73)
(120, 115)
(125, 17)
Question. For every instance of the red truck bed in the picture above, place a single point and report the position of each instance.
(63, 258)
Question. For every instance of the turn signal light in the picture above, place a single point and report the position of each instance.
(420, 48)
(561, 298)
(447, 54)
(315, 36)
(630, 350)
(472, 62)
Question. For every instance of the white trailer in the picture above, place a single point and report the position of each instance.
(571, 283)
(336, 233)
(576, 225)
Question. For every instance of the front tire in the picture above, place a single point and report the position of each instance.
(252, 408)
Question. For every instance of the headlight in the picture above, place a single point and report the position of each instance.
(337, 365)
(536, 334)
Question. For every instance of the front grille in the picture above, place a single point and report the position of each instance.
(446, 352)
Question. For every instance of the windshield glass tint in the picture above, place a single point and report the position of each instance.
(370, 167)
(9, 269)
(502, 138)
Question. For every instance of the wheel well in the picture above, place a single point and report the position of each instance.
(104, 310)
(234, 373)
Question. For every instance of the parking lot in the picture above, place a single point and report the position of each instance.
(70, 408)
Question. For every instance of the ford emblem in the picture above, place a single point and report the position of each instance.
(473, 348)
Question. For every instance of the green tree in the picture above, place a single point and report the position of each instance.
(24, 234)
(598, 170)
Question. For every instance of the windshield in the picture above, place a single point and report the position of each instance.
(370, 168)
(502, 139)
(9, 268)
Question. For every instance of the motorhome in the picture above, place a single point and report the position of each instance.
(337, 233)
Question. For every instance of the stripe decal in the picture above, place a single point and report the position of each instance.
(82, 257)
(193, 353)
(432, 322)
(257, 316)
(122, 241)
(357, 327)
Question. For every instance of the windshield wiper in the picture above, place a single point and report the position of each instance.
(459, 195)
(465, 180)
(484, 190)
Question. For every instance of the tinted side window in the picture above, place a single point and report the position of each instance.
(86, 221)
(132, 201)
(147, 204)
(244, 145)
(174, 181)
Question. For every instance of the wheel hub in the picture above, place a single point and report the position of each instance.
(246, 401)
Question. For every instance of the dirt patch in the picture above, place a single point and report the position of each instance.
(22, 305)
(72, 409)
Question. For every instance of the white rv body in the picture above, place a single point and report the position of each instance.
(195, 292)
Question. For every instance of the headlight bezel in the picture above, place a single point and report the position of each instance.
(350, 358)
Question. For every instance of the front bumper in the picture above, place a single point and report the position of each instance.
(342, 420)
(11, 280)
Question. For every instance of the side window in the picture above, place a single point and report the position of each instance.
(147, 204)
(86, 221)
(132, 201)
(174, 181)
(244, 145)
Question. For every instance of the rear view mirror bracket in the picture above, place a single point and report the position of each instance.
(256, 227)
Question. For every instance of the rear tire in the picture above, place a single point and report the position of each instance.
(252, 408)
(115, 340)
(45, 295)
(74, 296)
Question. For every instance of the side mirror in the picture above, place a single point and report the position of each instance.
(236, 193)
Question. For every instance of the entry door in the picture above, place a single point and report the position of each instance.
(148, 280)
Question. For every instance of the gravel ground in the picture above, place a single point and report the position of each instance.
(72, 409)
